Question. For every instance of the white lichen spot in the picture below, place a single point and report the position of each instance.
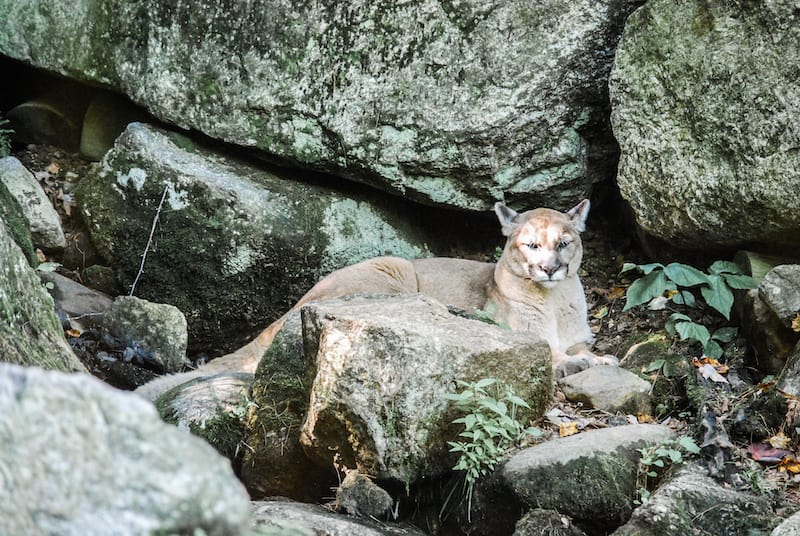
(135, 177)
(177, 200)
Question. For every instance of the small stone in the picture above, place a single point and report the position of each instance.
(780, 290)
(358, 495)
(608, 388)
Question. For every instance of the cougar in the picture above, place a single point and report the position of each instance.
(534, 286)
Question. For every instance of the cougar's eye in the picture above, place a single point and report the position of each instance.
(533, 245)
(563, 244)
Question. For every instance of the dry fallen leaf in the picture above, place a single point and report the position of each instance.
(708, 372)
(643, 418)
(779, 441)
(601, 312)
(761, 452)
(53, 168)
(796, 323)
(567, 429)
(789, 464)
(705, 360)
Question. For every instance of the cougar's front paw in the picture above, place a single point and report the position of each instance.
(606, 360)
(572, 365)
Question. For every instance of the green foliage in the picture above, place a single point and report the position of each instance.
(678, 283)
(5, 138)
(491, 428)
(656, 460)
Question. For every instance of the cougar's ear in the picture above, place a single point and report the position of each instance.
(578, 215)
(507, 218)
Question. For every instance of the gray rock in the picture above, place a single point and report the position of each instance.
(381, 367)
(704, 105)
(608, 388)
(789, 527)
(358, 495)
(85, 308)
(457, 103)
(789, 379)
(43, 220)
(212, 407)
(298, 519)
(30, 333)
(770, 339)
(106, 117)
(236, 245)
(539, 522)
(157, 329)
(79, 458)
(780, 290)
(692, 503)
(590, 476)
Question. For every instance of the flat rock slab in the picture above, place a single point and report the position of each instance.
(608, 388)
(588, 476)
(80, 457)
(293, 518)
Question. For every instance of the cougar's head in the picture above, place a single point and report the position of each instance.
(543, 245)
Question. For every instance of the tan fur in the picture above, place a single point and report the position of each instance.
(533, 287)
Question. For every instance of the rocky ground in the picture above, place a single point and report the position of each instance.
(608, 244)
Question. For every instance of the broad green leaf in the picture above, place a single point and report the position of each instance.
(655, 365)
(647, 268)
(673, 319)
(517, 401)
(688, 298)
(718, 295)
(628, 266)
(48, 266)
(692, 331)
(652, 474)
(485, 382)
(713, 349)
(725, 334)
(724, 267)
(645, 289)
(669, 369)
(689, 444)
(675, 456)
(685, 275)
(740, 281)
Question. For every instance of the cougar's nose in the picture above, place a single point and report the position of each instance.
(549, 269)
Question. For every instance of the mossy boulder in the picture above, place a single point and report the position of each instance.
(30, 333)
(234, 246)
(16, 225)
(704, 106)
(381, 367)
(590, 477)
(455, 103)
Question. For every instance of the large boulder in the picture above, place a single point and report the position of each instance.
(691, 502)
(705, 99)
(30, 333)
(381, 367)
(457, 103)
(589, 476)
(234, 246)
(80, 457)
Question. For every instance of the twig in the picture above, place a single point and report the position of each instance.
(149, 240)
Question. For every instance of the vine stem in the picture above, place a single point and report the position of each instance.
(149, 240)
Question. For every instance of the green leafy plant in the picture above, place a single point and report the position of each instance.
(677, 283)
(491, 428)
(656, 460)
(5, 138)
